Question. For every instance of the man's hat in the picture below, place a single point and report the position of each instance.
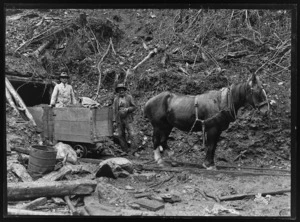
(64, 75)
(120, 86)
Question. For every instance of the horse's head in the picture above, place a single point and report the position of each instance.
(257, 96)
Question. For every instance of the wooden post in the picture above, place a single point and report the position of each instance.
(18, 100)
(10, 100)
(35, 203)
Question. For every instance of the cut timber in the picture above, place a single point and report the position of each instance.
(18, 99)
(21, 172)
(56, 175)
(13, 211)
(21, 150)
(150, 204)
(10, 100)
(31, 190)
(33, 204)
(90, 160)
(65, 170)
(96, 209)
(241, 196)
(71, 206)
(140, 195)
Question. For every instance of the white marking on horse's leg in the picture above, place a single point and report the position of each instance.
(266, 98)
(210, 167)
(157, 155)
(161, 148)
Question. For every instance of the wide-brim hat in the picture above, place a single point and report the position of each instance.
(120, 86)
(64, 75)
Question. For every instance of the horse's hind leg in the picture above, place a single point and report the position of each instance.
(213, 136)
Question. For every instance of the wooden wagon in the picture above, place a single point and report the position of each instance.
(85, 129)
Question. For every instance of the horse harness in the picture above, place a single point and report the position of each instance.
(257, 106)
(230, 106)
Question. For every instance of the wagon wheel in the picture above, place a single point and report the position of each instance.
(80, 150)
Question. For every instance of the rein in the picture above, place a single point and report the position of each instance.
(197, 119)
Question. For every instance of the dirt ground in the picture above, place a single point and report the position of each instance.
(189, 187)
(251, 141)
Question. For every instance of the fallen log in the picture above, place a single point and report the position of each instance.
(241, 196)
(35, 203)
(14, 211)
(41, 49)
(31, 190)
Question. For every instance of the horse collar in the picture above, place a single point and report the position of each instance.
(230, 103)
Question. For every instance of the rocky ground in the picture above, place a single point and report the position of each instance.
(199, 50)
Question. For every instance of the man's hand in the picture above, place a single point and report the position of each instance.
(51, 105)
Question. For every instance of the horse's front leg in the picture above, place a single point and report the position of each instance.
(213, 135)
(157, 147)
(160, 138)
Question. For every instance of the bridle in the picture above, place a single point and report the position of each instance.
(258, 105)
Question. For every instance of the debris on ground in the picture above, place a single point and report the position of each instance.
(219, 210)
(65, 151)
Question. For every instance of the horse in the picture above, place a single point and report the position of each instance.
(210, 112)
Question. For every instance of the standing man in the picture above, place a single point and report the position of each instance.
(123, 107)
(63, 93)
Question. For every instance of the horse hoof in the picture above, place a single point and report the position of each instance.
(212, 168)
(161, 163)
(174, 164)
(209, 167)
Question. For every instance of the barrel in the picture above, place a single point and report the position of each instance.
(42, 160)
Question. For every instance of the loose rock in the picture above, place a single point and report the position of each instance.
(114, 168)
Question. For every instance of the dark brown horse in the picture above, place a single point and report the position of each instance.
(213, 110)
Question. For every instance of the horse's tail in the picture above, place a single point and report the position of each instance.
(157, 105)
